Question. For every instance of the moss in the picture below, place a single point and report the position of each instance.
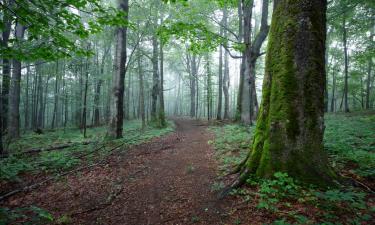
(288, 135)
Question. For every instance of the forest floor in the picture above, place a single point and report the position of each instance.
(176, 179)
(169, 180)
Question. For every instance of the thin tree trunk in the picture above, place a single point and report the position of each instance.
(117, 100)
(155, 80)
(226, 68)
(6, 70)
(15, 91)
(369, 70)
(333, 91)
(193, 78)
(209, 88)
(54, 115)
(246, 116)
(84, 111)
(242, 65)
(27, 98)
(161, 89)
(220, 91)
(141, 90)
(346, 89)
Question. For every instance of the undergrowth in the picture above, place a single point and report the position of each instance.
(14, 167)
(17, 163)
(350, 141)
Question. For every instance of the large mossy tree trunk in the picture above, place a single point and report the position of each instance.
(289, 129)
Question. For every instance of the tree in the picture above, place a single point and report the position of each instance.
(226, 68)
(15, 90)
(117, 92)
(289, 130)
(249, 102)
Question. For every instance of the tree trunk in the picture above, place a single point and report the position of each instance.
(209, 88)
(27, 98)
(6, 71)
(333, 103)
(141, 90)
(346, 89)
(220, 91)
(84, 111)
(155, 80)
(369, 71)
(242, 65)
(117, 100)
(226, 68)
(15, 91)
(54, 115)
(39, 121)
(246, 118)
(289, 129)
(193, 78)
(162, 121)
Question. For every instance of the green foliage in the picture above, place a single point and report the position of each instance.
(28, 215)
(350, 144)
(217, 186)
(233, 144)
(59, 160)
(271, 191)
(331, 205)
(349, 139)
(12, 166)
(53, 27)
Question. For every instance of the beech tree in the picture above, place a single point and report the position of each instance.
(289, 130)
(117, 101)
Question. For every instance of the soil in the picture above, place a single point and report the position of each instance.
(169, 180)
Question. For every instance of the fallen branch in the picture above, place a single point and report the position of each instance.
(35, 185)
(59, 147)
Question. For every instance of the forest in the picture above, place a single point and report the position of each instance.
(187, 112)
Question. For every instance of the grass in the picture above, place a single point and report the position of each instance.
(17, 164)
(233, 144)
(350, 141)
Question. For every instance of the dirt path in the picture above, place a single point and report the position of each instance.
(166, 181)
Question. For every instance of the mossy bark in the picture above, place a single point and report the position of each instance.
(290, 124)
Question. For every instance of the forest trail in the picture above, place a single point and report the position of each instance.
(166, 181)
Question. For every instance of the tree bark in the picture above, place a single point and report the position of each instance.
(15, 91)
(246, 117)
(333, 97)
(209, 88)
(289, 129)
(369, 71)
(6, 70)
(54, 115)
(220, 91)
(193, 81)
(84, 111)
(242, 65)
(27, 98)
(117, 93)
(162, 121)
(226, 68)
(344, 39)
(155, 80)
(141, 90)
